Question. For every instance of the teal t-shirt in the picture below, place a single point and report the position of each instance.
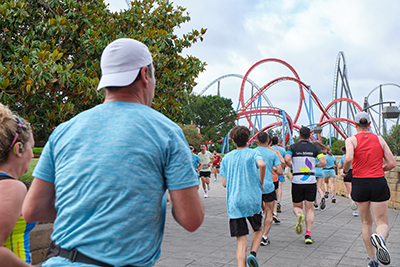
(111, 166)
(318, 171)
(243, 186)
(196, 160)
(270, 159)
(342, 161)
(280, 149)
(330, 162)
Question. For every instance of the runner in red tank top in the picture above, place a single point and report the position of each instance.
(370, 191)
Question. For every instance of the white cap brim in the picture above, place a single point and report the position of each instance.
(118, 79)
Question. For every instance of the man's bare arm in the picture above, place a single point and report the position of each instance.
(187, 208)
(261, 167)
(39, 202)
(390, 162)
(288, 160)
(348, 159)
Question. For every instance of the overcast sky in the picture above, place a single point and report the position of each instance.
(308, 35)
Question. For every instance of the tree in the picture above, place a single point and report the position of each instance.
(392, 138)
(50, 55)
(214, 115)
(192, 135)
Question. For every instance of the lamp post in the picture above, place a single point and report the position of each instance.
(388, 112)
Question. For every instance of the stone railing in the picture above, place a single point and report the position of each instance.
(393, 179)
(40, 241)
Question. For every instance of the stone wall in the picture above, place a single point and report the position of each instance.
(393, 179)
(40, 241)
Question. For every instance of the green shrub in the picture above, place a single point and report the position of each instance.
(37, 150)
(27, 177)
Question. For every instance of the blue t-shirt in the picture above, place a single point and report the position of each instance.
(330, 162)
(243, 186)
(318, 171)
(270, 159)
(342, 161)
(196, 160)
(280, 149)
(111, 166)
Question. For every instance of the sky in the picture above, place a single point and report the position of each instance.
(306, 34)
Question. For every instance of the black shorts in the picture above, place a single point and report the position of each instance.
(301, 192)
(239, 227)
(216, 166)
(276, 184)
(269, 197)
(348, 177)
(370, 189)
(204, 174)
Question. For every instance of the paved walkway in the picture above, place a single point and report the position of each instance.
(336, 232)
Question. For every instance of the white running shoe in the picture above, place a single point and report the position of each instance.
(355, 213)
(382, 253)
(353, 205)
(205, 194)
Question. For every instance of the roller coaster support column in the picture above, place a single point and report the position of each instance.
(225, 143)
(285, 123)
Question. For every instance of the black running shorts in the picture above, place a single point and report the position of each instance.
(276, 184)
(204, 174)
(239, 227)
(348, 177)
(370, 189)
(269, 197)
(301, 192)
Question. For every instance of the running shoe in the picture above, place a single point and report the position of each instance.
(278, 207)
(308, 239)
(326, 194)
(353, 205)
(252, 261)
(315, 206)
(373, 264)
(215, 179)
(333, 200)
(382, 253)
(322, 204)
(265, 241)
(205, 194)
(299, 225)
(355, 213)
(276, 218)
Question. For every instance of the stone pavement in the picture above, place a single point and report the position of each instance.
(336, 232)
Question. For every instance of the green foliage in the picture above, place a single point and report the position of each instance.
(37, 150)
(192, 135)
(50, 55)
(214, 115)
(392, 138)
(27, 177)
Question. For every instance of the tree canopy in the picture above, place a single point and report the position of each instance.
(50, 55)
(392, 138)
(214, 114)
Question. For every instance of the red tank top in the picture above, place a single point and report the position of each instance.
(368, 157)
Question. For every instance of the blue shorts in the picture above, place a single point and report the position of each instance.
(281, 178)
(329, 174)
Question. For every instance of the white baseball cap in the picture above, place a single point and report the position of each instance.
(362, 115)
(121, 62)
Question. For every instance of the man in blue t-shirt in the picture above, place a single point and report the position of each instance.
(110, 167)
(243, 172)
(282, 151)
(196, 161)
(272, 161)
